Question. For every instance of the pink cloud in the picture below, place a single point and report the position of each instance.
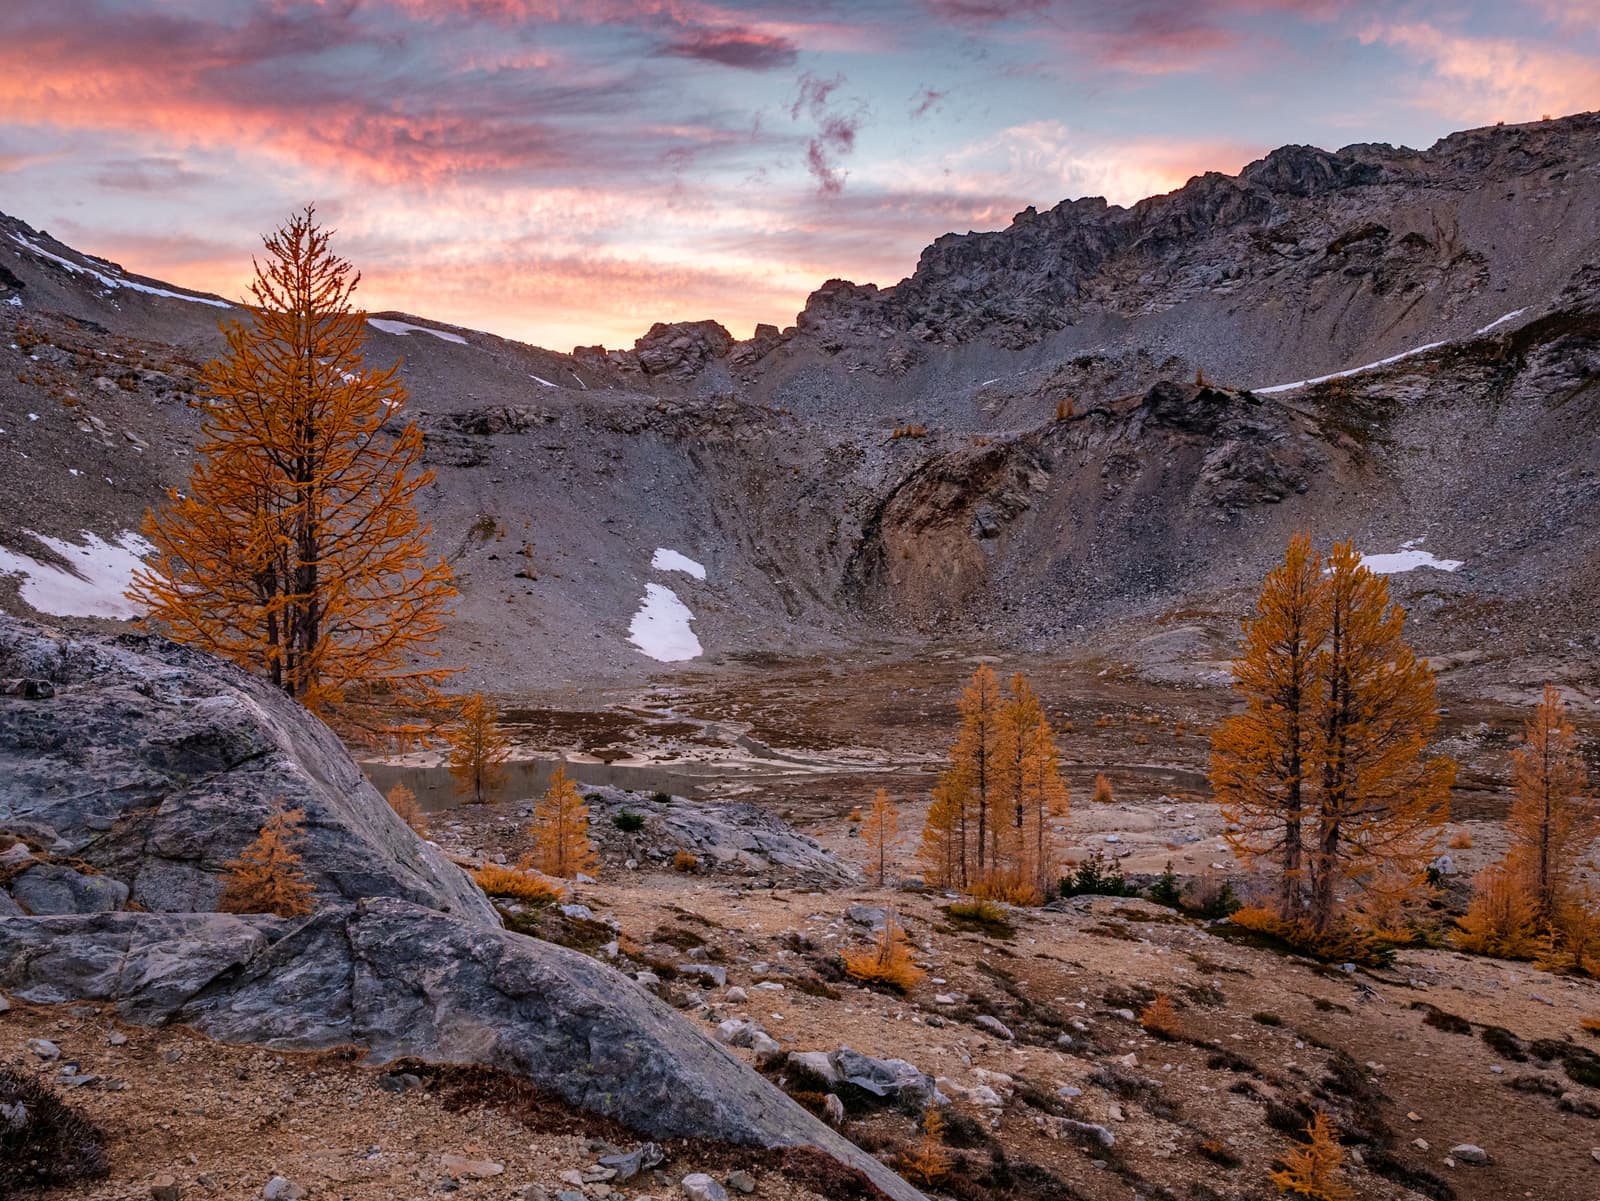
(1484, 79)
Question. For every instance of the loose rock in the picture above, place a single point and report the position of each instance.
(699, 1187)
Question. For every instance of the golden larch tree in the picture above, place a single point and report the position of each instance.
(974, 760)
(988, 828)
(404, 802)
(296, 549)
(1044, 801)
(1552, 813)
(1502, 917)
(1315, 1169)
(1258, 758)
(888, 962)
(879, 832)
(1381, 801)
(1020, 715)
(942, 851)
(1325, 773)
(479, 748)
(929, 1161)
(561, 831)
(266, 877)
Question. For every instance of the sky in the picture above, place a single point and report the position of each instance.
(568, 173)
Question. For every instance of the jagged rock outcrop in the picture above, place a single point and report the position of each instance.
(968, 514)
(1321, 213)
(683, 347)
(143, 767)
(671, 351)
(492, 419)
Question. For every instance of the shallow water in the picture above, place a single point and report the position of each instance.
(528, 778)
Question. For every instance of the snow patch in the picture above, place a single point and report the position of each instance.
(14, 301)
(661, 627)
(1322, 379)
(111, 282)
(539, 379)
(1408, 558)
(671, 560)
(93, 584)
(1499, 321)
(402, 327)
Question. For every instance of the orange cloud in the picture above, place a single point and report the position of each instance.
(1047, 160)
(1483, 79)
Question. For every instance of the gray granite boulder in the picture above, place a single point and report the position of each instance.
(726, 837)
(55, 888)
(157, 764)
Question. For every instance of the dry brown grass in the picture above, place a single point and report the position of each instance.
(1461, 841)
(686, 863)
(1590, 1026)
(1012, 892)
(500, 881)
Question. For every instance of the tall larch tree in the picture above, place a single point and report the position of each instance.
(1258, 758)
(1020, 715)
(296, 549)
(975, 760)
(479, 749)
(561, 830)
(1552, 813)
(1324, 776)
(1044, 801)
(988, 828)
(879, 832)
(1381, 801)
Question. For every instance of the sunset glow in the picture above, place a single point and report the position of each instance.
(569, 172)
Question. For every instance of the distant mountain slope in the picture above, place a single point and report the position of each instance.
(1080, 459)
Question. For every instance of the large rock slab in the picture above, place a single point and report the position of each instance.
(726, 837)
(57, 888)
(150, 964)
(402, 980)
(157, 764)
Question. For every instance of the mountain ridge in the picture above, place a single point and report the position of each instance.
(1102, 430)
